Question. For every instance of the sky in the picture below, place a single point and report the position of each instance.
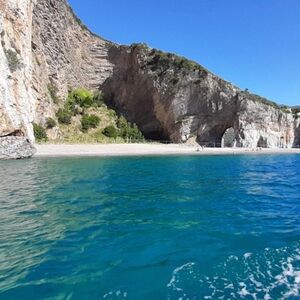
(254, 44)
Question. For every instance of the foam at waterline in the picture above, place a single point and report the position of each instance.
(270, 274)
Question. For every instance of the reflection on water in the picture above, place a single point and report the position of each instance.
(28, 223)
(120, 228)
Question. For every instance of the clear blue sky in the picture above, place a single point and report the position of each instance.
(254, 44)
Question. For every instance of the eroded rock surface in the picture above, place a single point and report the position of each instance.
(16, 147)
(66, 55)
(17, 103)
(297, 132)
(172, 98)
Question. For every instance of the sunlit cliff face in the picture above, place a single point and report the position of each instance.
(17, 103)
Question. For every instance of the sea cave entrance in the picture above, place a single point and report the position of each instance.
(228, 138)
(218, 136)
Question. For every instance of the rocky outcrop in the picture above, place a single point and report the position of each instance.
(15, 147)
(172, 98)
(17, 103)
(297, 132)
(66, 55)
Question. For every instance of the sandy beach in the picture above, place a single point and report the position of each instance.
(64, 150)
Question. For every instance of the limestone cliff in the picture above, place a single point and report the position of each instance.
(65, 55)
(17, 102)
(170, 97)
(297, 131)
(46, 50)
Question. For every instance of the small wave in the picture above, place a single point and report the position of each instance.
(173, 281)
(119, 294)
(271, 274)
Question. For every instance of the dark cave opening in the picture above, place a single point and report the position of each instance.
(15, 133)
(213, 137)
(156, 135)
(228, 138)
(263, 143)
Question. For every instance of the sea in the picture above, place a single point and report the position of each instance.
(151, 227)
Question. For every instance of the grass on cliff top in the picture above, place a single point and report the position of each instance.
(257, 98)
(160, 58)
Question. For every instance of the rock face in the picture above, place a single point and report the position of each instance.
(15, 147)
(172, 98)
(66, 55)
(17, 103)
(46, 50)
(297, 132)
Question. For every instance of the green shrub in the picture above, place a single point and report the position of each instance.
(112, 113)
(39, 133)
(13, 60)
(133, 133)
(98, 99)
(122, 123)
(296, 111)
(286, 109)
(110, 131)
(72, 107)
(159, 59)
(263, 100)
(89, 121)
(50, 123)
(81, 97)
(53, 93)
(64, 116)
(126, 130)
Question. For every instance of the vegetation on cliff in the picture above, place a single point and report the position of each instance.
(260, 99)
(164, 60)
(14, 62)
(85, 118)
(52, 89)
(296, 111)
(50, 123)
(89, 121)
(39, 133)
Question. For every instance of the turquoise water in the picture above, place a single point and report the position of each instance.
(190, 227)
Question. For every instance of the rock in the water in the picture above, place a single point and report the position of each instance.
(15, 147)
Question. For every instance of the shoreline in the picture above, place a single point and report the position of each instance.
(108, 150)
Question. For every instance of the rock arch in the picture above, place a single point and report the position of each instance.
(262, 142)
(296, 143)
(214, 136)
(228, 138)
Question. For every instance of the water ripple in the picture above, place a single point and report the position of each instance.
(117, 228)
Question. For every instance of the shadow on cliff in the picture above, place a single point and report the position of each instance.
(132, 93)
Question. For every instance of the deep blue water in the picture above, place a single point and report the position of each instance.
(144, 228)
